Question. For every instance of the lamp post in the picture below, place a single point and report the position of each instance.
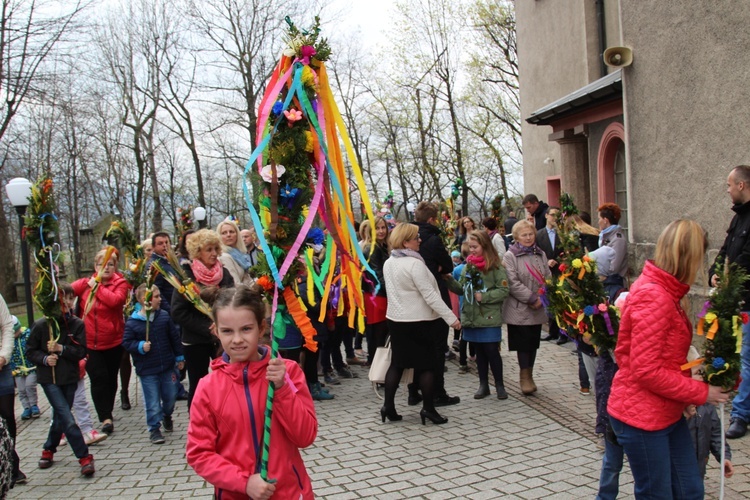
(19, 192)
(410, 207)
(199, 213)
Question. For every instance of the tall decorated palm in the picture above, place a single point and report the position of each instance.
(40, 230)
(303, 179)
(577, 299)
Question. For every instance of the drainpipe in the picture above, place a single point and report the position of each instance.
(602, 36)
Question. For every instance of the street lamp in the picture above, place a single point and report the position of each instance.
(410, 207)
(199, 214)
(19, 192)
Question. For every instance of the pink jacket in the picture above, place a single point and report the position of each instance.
(105, 323)
(226, 428)
(650, 391)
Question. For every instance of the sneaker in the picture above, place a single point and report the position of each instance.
(585, 391)
(456, 345)
(26, 415)
(168, 423)
(463, 369)
(47, 459)
(360, 353)
(94, 437)
(330, 378)
(449, 355)
(87, 465)
(345, 372)
(737, 428)
(63, 441)
(156, 437)
(35, 413)
(318, 394)
(19, 478)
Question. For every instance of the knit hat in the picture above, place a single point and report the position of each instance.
(456, 254)
(16, 323)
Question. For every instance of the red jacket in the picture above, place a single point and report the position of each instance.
(105, 323)
(226, 428)
(650, 391)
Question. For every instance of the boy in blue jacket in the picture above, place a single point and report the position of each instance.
(154, 359)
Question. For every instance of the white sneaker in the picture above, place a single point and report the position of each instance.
(94, 437)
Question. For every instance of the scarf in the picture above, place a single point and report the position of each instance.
(405, 252)
(478, 262)
(611, 229)
(240, 258)
(206, 276)
(519, 249)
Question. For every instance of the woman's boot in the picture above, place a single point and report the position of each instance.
(527, 383)
(483, 391)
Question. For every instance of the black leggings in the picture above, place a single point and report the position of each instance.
(526, 359)
(197, 360)
(488, 356)
(426, 379)
(307, 359)
(102, 367)
(126, 369)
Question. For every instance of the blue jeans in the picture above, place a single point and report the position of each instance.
(159, 395)
(741, 402)
(663, 462)
(61, 400)
(609, 479)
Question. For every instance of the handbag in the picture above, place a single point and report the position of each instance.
(380, 364)
(375, 308)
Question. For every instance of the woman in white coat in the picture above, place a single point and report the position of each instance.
(415, 311)
(234, 255)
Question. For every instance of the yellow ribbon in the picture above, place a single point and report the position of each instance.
(726, 367)
(737, 332)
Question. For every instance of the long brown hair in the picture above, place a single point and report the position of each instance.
(488, 249)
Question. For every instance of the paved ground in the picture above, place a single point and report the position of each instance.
(525, 447)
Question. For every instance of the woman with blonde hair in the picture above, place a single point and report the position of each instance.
(526, 266)
(234, 255)
(102, 314)
(650, 391)
(200, 345)
(415, 312)
(376, 329)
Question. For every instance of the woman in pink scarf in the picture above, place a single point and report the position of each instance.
(200, 345)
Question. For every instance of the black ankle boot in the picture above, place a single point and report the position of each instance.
(483, 391)
(432, 416)
(124, 400)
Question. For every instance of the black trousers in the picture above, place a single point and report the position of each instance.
(197, 360)
(103, 367)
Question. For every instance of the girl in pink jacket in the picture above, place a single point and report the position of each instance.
(225, 435)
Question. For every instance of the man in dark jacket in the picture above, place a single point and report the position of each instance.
(549, 241)
(161, 244)
(439, 262)
(536, 209)
(736, 249)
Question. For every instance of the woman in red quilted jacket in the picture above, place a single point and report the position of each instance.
(105, 325)
(650, 392)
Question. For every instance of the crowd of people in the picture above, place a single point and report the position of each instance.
(416, 290)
